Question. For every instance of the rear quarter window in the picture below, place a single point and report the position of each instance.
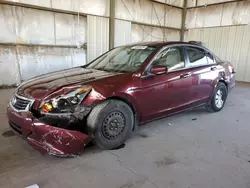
(210, 58)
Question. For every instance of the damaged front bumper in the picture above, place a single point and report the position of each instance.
(44, 137)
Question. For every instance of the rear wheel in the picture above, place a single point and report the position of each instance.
(110, 123)
(219, 98)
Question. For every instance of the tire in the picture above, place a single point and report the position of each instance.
(218, 99)
(110, 123)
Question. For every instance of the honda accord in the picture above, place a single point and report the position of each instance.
(60, 112)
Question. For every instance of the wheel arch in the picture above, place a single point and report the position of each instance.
(209, 104)
(217, 81)
(127, 101)
(222, 81)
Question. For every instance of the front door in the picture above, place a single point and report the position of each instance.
(164, 94)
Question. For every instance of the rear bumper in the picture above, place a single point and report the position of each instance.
(46, 138)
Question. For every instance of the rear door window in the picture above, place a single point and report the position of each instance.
(197, 57)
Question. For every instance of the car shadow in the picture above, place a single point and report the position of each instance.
(145, 131)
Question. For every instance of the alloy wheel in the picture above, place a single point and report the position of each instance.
(219, 101)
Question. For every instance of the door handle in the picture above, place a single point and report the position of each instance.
(185, 75)
(213, 68)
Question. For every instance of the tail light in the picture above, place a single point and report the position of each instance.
(231, 69)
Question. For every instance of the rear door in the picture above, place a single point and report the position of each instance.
(204, 71)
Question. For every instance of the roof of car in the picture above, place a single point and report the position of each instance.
(160, 43)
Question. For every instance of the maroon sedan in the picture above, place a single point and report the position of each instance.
(103, 101)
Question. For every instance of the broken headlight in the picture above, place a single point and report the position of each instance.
(65, 103)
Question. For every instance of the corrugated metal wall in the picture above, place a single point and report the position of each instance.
(98, 36)
(133, 33)
(96, 7)
(155, 15)
(141, 33)
(193, 3)
(37, 30)
(148, 12)
(122, 32)
(35, 61)
(234, 13)
(178, 3)
(223, 28)
(9, 70)
(37, 37)
(28, 26)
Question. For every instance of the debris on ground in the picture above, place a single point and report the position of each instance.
(8, 133)
(165, 162)
(143, 135)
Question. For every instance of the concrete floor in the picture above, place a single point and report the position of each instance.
(195, 149)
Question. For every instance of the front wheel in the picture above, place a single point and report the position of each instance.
(219, 98)
(110, 123)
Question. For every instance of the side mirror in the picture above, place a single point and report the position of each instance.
(159, 69)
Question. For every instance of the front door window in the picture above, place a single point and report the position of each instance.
(172, 58)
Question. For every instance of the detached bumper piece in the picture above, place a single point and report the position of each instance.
(46, 138)
(57, 141)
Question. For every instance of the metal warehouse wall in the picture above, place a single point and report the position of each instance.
(145, 33)
(224, 29)
(97, 41)
(34, 42)
(41, 36)
(193, 3)
(148, 20)
(178, 3)
(33, 38)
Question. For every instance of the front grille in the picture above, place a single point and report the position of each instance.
(20, 103)
(15, 127)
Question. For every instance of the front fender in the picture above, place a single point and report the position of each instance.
(95, 97)
(129, 99)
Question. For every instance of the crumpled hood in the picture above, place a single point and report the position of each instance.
(41, 86)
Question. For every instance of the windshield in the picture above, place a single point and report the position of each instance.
(122, 59)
